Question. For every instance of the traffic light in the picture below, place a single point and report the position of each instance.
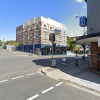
(53, 37)
(50, 37)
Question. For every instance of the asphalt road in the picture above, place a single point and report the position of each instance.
(19, 80)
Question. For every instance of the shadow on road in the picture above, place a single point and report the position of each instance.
(82, 71)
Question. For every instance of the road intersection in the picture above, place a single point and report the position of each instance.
(19, 80)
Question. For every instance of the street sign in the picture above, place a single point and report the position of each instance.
(83, 21)
(57, 32)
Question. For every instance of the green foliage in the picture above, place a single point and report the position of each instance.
(12, 42)
(57, 33)
(76, 50)
(1, 43)
(70, 45)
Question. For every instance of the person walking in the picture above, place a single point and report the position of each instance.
(76, 60)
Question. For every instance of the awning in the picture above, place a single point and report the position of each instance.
(87, 39)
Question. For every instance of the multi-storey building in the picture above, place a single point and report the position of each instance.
(34, 36)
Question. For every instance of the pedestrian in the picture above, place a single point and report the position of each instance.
(76, 60)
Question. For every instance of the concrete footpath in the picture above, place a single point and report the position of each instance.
(81, 76)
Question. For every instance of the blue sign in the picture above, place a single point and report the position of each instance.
(57, 30)
(83, 21)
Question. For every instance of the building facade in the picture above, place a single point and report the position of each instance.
(33, 36)
(93, 33)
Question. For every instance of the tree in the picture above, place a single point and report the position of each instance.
(12, 42)
(76, 50)
(0, 43)
(70, 45)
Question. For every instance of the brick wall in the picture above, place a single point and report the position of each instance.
(94, 51)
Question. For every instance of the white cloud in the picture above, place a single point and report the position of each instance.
(85, 6)
(80, 1)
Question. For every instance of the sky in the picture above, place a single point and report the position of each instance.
(14, 13)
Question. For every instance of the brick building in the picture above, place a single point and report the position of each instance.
(34, 36)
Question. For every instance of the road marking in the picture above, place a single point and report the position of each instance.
(17, 77)
(33, 97)
(30, 74)
(47, 90)
(3, 81)
(59, 84)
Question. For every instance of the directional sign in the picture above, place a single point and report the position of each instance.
(83, 21)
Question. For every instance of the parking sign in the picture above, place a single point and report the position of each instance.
(83, 21)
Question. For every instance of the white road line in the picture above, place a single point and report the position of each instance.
(16, 77)
(3, 81)
(47, 90)
(59, 84)
(35, 96)
(30, 74)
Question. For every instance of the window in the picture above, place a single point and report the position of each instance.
(31, 42)
(60, 37)
(45, 34)
(37, 26)
(26, 41)
(64, 33)
(60, 42)
(31, 35)
(64, 37)
(25, 36)
(37, 40)
(37, 34)
(31, 28)
(45, 27)
(44, 41)
(25, 29)
(56, 37)
(64, 42)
